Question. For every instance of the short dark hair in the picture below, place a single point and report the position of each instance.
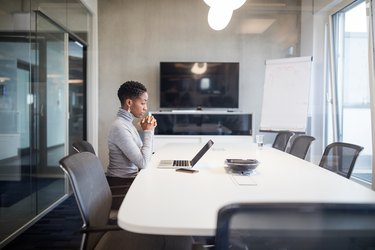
(130, 90)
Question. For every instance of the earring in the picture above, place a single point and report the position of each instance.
(129, 109)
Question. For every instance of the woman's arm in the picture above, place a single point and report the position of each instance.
(127, 140)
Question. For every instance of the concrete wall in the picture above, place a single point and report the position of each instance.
(135, 35)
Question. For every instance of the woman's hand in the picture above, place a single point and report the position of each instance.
(148, 123)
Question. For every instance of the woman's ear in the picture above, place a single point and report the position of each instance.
(129, 103)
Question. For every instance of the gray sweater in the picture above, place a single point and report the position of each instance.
(127, 153)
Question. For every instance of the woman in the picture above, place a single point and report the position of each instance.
(127, 152)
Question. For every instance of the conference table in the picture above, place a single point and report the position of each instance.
(167, 202)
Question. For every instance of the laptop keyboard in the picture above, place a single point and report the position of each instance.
(181, 163)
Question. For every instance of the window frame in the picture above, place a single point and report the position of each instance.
(332, 83)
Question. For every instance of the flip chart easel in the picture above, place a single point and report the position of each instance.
(286, 94)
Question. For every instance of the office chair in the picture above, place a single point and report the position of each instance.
(308, 226)
(340, 157)
(282, 139)
(83, 146)
(117, 188)
(94, 200)
(300, 145)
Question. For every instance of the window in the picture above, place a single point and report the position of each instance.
(350, 90)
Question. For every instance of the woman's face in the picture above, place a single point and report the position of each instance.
(139, 105)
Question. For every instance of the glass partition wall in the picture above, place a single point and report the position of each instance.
(42, 108)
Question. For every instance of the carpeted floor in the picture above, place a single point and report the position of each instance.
(13, 191)
(59, 229)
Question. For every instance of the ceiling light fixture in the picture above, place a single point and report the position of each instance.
(219, 18)
(221, 11)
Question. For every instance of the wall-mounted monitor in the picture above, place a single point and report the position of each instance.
(196, 85)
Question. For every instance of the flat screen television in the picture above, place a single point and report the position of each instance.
(199, 85)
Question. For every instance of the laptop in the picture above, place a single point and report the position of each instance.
(187, 164)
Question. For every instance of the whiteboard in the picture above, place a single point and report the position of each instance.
(286, 94)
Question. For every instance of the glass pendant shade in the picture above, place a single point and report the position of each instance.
(221, 11)
(219, 18)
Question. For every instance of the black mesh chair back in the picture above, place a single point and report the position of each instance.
(282, 139)
(94, 200)
(340, 157)
(92, 192)
(300, 145)
(305, 226)
(83, 146)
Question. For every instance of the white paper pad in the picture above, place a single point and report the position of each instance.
(243, 180)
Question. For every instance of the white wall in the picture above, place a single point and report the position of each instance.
(135, 35)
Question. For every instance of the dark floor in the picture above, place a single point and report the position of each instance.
(12, 192)
(59, 229)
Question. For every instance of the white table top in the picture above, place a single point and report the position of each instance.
(163, 201)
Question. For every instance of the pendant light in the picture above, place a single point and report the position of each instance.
(221, 11)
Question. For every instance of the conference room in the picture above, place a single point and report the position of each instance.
(274, 87)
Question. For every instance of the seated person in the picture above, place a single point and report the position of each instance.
(128, 153)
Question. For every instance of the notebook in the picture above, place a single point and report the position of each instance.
(186, 163)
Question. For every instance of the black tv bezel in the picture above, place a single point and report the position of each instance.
(226, 108)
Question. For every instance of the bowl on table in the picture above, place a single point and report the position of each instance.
(242, 166)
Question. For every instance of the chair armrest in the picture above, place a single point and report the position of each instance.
(118, 195)
(120, 186)
(101, 229)
(198, 246)
(203, 242)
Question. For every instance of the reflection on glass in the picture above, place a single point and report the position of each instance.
(77, 101)
(33, 105)
(17, 185)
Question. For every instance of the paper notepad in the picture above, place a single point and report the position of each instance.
(243, 180)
